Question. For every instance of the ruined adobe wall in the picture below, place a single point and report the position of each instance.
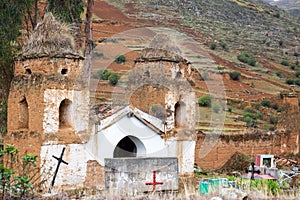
(277, 143)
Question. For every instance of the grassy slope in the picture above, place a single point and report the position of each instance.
(244, 26)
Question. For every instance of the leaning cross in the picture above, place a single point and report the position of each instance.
(154, 183)
(60, 160)
(252, 170)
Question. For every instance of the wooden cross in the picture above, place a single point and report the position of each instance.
(252, 170)
(60, 160)
(154, 183)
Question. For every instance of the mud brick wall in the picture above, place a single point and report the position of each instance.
(278, 143)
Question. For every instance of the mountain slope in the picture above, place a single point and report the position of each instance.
(291, 6)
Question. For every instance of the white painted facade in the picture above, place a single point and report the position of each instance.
(69, 176)
(78, 111)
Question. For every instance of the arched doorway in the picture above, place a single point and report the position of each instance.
(179, 114)
(129, 146)
(24, 114)
(65, 114)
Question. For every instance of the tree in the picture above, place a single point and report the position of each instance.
(113, 79)
(66, 10)
(88, 41)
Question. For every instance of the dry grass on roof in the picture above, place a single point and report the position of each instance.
(50, 37)
(162, 47)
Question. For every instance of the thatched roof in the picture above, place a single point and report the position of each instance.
(162, 48)
(50, 38)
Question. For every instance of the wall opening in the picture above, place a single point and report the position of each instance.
(65, 114)
(64, 71)
(28, 71)
(129, 146)
(179, 115)
(23, 114)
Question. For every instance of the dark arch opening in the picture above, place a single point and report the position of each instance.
(179, 114)
(28, 71)
(65, 113)
(125, 148)
(23, 114)
(64, 71)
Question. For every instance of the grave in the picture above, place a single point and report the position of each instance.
(141, 175)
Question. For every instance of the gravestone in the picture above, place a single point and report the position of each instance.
(130, 175)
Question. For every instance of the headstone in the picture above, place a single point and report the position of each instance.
(129, 175)
(204, 187)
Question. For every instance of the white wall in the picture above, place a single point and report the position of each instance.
(71, 175)
(79, 113)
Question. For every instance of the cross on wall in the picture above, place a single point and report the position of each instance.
(154, 182)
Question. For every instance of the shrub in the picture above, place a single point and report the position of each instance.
(18, 175)
(204, 101)
(105, 75)
(273, 119)
(297, 81)
(220, 67)
(266, 103)
(290, 81)
(234, 75)
(230, 109)
(213, 46)
(120, 59)
(113, 78)
(246, 59)
(285, 63)
(278, 74)
(297, 73)
(99, 73)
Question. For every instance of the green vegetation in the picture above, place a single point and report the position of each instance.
(285, 63)
(266, 103)
(278, 74)
(269, 187)
(290, 81)
(204, 101)
(220, 67)
(273, 119)
(213, 46)
(120, 59)
(3, 117)
(113, 79)
(67, 11)
(297, 73)
(235, 75)
(104, 74)
(18, 175)
(251, 116)
(246, 59)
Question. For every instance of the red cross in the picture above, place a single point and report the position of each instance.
(154, 183)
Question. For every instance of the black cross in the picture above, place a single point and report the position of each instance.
(60, 160)
(252, 170)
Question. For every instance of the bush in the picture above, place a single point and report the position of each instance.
(279, 74)
(297, 73)
(246, 59)
(120, 59)
(204, 101)
(220, 67)
(213, 46)
(99, 74)
(113, 78)
(266, 103)
(19, 176)
(230, 109)
(290, 81)
(235, 75)
(285, 63)
(273, 119)
(297, 81)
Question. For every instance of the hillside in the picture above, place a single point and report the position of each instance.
(234, 26)
(291, 6)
